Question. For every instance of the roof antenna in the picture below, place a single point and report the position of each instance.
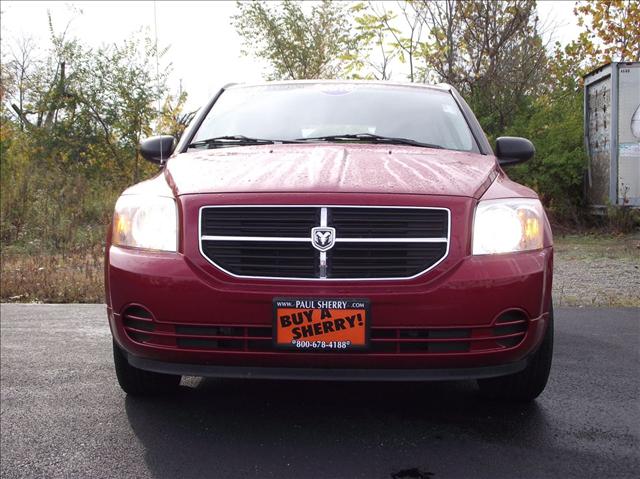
(155, 32)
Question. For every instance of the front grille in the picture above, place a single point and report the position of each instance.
(383, 340)
(389, 260)
(370, 242)
(389, 222)
(264, 258)
(259, 221)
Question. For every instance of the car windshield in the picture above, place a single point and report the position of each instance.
(334, 112)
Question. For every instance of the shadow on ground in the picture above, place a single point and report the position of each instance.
(235, 428)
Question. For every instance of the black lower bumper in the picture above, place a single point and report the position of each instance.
(321, 374)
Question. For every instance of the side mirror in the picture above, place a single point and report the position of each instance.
(511, 150)
(157, 148)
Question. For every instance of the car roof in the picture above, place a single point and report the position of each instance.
(439, 86)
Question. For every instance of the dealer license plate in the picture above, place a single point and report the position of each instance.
(321, 324)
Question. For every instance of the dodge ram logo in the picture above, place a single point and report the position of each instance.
(323, 238)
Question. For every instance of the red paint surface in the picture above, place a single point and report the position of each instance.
(330, 168)
(463, 290)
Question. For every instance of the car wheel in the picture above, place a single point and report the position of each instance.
(527, 384)
(138, 382)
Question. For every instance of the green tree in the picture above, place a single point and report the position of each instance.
(297, 45)
(553, 122)
(128, 92)
(79, 99)
(173, 119)
(76, 116)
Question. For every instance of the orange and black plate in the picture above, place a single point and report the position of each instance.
(319, 324)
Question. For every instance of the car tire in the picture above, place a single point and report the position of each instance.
(138, 382)
(527, 384)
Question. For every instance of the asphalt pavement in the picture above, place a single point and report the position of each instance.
(63, 414)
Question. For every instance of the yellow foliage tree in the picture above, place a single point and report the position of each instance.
(612, 30)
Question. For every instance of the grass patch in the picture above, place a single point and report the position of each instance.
(577, 246)
(53, 278)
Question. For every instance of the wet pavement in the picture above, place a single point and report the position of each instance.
(63, 414)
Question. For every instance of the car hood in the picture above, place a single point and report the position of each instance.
(331, 168)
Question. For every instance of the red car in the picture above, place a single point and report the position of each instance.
(332, 231)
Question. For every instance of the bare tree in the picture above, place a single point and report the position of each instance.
(408, 44)
(491, 51)
(443, 22)
(374, 53)
(21, 68)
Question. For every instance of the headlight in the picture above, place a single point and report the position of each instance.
(504, 226)
(146, 222)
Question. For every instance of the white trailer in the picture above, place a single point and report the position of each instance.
(612, 134)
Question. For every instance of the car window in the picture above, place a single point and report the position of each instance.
(295, 111)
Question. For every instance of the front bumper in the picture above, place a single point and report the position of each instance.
(326, 374)
(470, 293)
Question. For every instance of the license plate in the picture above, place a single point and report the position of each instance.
(321, 324)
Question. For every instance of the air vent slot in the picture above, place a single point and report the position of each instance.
(138, 322)
(512, 324)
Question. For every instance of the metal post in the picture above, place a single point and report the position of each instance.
(613, 161)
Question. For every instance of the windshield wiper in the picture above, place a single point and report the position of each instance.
(236, 140)
(372, 138)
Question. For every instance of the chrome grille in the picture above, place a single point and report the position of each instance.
(370, 242)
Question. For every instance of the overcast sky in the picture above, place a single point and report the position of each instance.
(204, 47)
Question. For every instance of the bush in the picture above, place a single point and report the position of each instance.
(622, 219)
(48, 205)
(554, 124)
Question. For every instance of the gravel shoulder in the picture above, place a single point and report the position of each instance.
(597, 270)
